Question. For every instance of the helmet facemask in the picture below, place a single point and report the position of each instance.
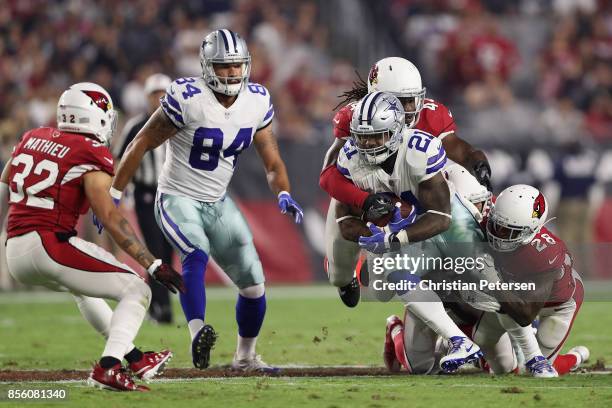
(414, 98)
(222, 84)
(385, 144)
(504, 237)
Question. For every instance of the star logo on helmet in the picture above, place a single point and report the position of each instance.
(539, 206)
(100, 100)
(373, 75)
(392, 105)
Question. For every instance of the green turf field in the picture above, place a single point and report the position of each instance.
(304, 326)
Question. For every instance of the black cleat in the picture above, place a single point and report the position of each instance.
(350, 293)
(201, 345)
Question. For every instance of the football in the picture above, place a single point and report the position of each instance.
(405, 209)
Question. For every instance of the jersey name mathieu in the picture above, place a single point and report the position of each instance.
(420, 156)
(46, 180)
(434, 118)
(201, 157)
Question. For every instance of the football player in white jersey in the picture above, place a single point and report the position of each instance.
(207, 122)
(385, 156)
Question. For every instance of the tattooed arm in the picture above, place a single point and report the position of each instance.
(97, 184)
(276, 173)
(156, 131)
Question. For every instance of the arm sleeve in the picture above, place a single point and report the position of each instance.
(269, 112)
(425, 157)
(342, 122)
(341, 188)
(175, 111)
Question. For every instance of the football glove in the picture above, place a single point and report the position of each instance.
(397, 223)
(379, 242)
(167, 276)
(288, 205)
(377, 206)
(482, 172)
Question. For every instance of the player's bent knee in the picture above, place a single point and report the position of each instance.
(253, 292)
(137, 287)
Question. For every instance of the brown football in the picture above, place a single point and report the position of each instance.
(405, 209)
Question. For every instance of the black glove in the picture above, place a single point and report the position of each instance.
(377, 205)
(482, 172)
(170, 278)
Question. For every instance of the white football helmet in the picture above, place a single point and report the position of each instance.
(518, 214)
(469, 188)
(401, 78)
(87, 108)
(224, 47)
(377, 121)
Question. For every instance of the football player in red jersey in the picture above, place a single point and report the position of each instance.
(524, 250)
(401, 78)
(54, 176)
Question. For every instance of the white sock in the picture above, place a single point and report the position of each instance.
(246, 347)
(127, 319)
(427, 306)
(524, 336)
(195, 326)
(99, 314)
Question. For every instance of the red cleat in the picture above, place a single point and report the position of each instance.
(389, 355)
(115, 379)
(151, 364)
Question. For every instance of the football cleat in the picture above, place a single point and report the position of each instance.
(540, 367)
(201, 346)
(350, 293)
(115, 379)
(461, 351)
(253, 364)
(394, 326)
(151, 364)
(582, 355)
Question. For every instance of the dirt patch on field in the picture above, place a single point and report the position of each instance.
(216, 372)
(221, 372)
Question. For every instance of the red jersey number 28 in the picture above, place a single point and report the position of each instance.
(19, 178)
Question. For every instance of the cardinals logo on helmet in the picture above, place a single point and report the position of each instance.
(539, 206)
(373, 76)
(99, 99)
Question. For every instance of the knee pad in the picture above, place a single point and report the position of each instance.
(137, 287)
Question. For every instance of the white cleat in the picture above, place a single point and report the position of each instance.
(582, 356)
(253, 364)
(461, 351)
(540, 367)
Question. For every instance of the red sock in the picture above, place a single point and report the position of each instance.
(400, 352)
(564, 363)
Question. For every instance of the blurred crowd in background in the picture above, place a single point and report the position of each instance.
(529, 80)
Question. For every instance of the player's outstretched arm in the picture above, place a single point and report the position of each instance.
(156, 131)
(460, 151)
(276, 172)
(97, 184)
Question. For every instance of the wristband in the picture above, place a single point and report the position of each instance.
(153, 267)
(116, 194)
(402, 237)
(283, 192)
